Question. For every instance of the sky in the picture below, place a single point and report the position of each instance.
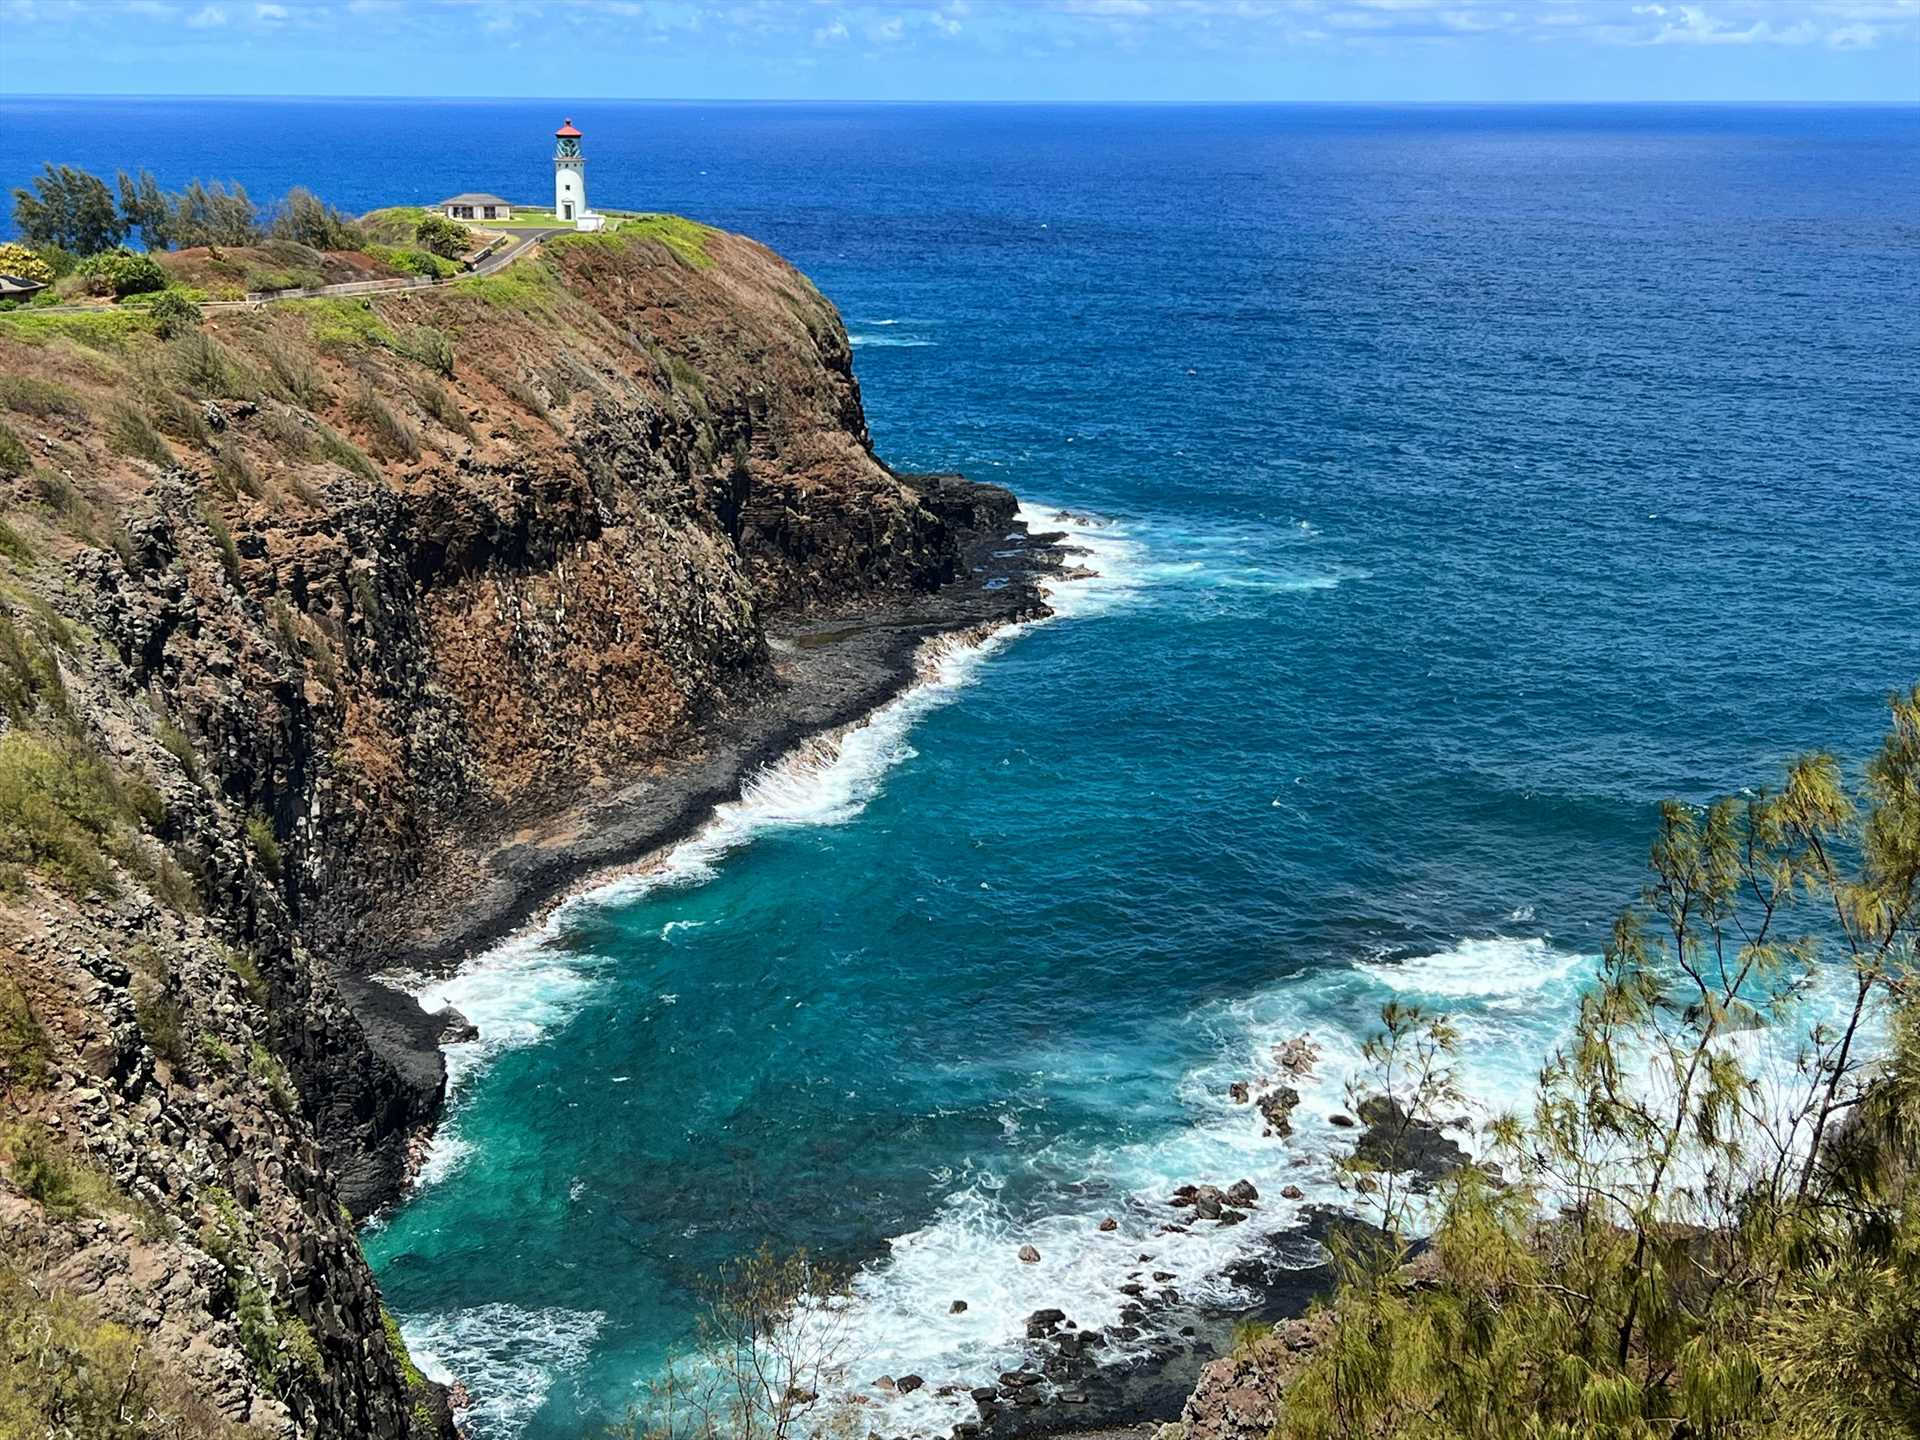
(1170, 50)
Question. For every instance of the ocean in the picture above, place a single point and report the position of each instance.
(1461, 481)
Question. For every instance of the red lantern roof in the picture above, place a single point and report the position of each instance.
(566, 130)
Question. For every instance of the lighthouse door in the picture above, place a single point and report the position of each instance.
(568, 208)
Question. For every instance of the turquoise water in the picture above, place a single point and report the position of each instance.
(1473, 479)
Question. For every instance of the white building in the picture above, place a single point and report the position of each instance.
(570, 181)
(476, 207)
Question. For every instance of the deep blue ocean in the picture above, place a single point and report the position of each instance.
(1471, 478)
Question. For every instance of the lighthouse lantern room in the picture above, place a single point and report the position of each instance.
(570, 180)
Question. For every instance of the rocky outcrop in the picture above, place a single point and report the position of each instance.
(336, 619)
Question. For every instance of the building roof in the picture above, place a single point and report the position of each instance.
(566, 130)
(20, 285)
(471, 199)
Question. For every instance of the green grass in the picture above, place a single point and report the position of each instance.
(527, 287)
(344, 322)
(684, 238)
(96, 329)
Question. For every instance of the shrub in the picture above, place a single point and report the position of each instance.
(393, 436)
(23, 1042)
(442, 405)
(443, 237)
(431, 347)
(207, 368)
(223, 542)
(274, 1076)
(174, 314)
(247, 969)
(295, 375)
(121, 273)
(17, 260)
(130, 433)
(55, 1177)
(57, 810)
(30, 395)
(14, 459)
(162, 1021)
(265, 847)
(215, 1053)
(28, 672)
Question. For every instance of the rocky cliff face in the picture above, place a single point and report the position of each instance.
(301, 609)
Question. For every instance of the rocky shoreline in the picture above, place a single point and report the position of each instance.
(1170, 1361)
(829, 671)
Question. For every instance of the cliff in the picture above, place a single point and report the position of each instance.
(322, 617)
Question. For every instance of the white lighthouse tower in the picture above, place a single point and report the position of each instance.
(570, 180)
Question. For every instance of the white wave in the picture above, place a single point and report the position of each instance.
(1499, 966)
(1108, 550)
(509, 1358)
(970, 1251)
(888, 342)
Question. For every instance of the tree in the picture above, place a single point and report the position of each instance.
(772, 1341)
(211, 214)
(18, 261)
(443, 237)
(1710, 1221)
(145, 207)
(304, 218)
(68, 208)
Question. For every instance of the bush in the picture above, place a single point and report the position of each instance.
(17, 260)
(57, 810)
(121, 273)
(23, 1043)
(13, 455)
(265, 848)
(444, 237)
(393, 436)
(174, 314)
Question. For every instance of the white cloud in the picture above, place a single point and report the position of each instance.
(831, 34)
(269, 12)
(207, 17)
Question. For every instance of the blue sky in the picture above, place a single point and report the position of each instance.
(972, 49)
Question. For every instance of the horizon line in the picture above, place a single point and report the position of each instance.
(5, 95)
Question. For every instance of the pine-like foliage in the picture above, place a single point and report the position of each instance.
(1709, 1225)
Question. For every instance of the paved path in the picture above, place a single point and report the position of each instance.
(522, 238)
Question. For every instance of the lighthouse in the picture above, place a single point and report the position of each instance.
(569, 177)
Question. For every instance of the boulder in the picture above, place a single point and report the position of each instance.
(1109, 1225)
(1298, 1055)
(1394, 1141)
(1344, 1121)
(1241, 1192)
(1238, 1091)
(1294, 1192)
(959, 1307)
(1029, 1255)
(907, 1384)
(1276, 1106)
